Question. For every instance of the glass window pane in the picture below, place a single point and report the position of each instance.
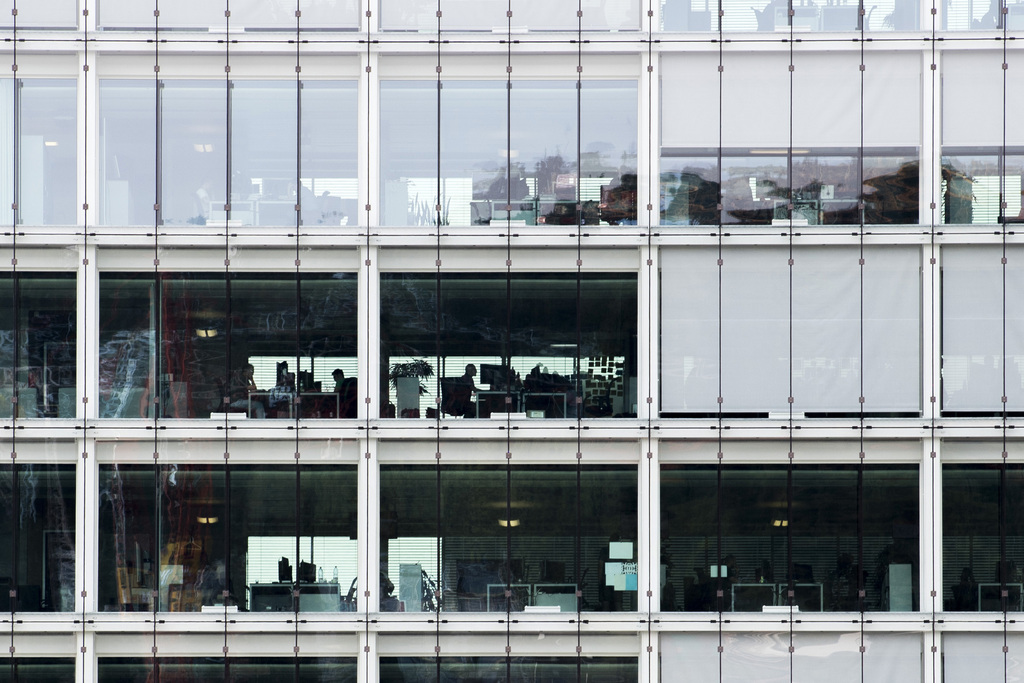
(475, 527)
(194, 150)
(689, 191)
(38, 357)
(279, 15)
(264, 156)
(37, 534)
(38, 670)
(47, 149)
(127, 350)
(495, 670)
(759, 521)
(475, 164)
(329, 152)
(129, 562)
(267, 333)
(50, 14)
(539, 365)
(162, 530)
(264, 533)
(7, 166)
(980, 505)
(983, 344)
(128, 160)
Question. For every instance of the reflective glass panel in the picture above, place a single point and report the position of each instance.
(7, 166)
(328, 150)
(965, 15)
(489, 15)
(191, 14)
(481, 176)
(479, 521)
(38, 331)
(264, 161)
(50, 14)
(744, 15)
(292, 351)
(38, 670)
(237, 670)
(973, 185)
(128, 159)
(37, 534)
(279, 15)
(826, 189)
(982, 335)
(528, 353)
(982, 536)
(47, 152)
(689, 191)
(838, 531)
(497, 670)
(193, 141)
(162, 530)
(200, 508)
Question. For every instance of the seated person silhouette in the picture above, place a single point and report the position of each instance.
(457, 394)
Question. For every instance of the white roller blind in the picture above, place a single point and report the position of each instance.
(827, 363)
(754, 330)
(973, 329)
(974, 657)
(972, 99)
(686, 119)
(832, 82)
(892, 99)
(755, 100)
(752, 351)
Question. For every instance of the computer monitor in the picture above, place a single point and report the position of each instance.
(495, 375)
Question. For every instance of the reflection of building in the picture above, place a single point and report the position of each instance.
(607, 340)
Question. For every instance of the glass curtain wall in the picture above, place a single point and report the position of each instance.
(38, 155)
(199, 535)
(483, 180)
(755, 331)
(541, 340)
(37, 538)
(746, 538)
(774, 16)
(38, 670)
(230, 670)
(262, 345)
(268, 141)
(498, 669)
(455, 539)
(779, 163)
(982, 535)
(38, 341)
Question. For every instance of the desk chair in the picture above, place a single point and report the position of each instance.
(456, 397)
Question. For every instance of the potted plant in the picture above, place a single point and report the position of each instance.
(405, 380)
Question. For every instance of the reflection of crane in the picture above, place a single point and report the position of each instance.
(431, 594)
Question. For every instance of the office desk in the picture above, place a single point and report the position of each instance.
(752, 597)
(277, 597)
(319, 403)
(550, 402)
(493, 401)
(562, 595)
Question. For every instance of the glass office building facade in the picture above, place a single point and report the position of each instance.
(508, 340)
